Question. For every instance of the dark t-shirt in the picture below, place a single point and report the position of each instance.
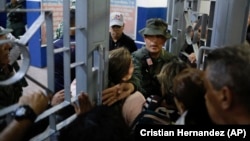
(125, 41)
(16, 20)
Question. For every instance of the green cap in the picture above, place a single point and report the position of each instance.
(156, 26)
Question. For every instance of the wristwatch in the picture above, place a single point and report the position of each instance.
(25, 112)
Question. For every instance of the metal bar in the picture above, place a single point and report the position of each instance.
(66, 53)
(33, 28)
(73, 65)
(23, 69)
(48, 132)
(82, 39)
(50, 63)
(48, 91)
(8, 109)
(59, 50)
(225, 18)
(201, 55)
(2, 5)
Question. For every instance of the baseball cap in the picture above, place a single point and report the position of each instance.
(116, 18)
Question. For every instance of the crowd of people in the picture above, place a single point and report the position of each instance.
(150, 87)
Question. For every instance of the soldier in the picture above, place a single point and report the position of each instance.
(16, 20)
(8, 94)
(147, 61)
(59, 29)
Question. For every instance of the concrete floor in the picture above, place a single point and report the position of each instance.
(39, 74)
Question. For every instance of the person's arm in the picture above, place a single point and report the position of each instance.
(16, 130)
(37, 102)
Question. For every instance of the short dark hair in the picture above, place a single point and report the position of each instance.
(166, 77)
(119, 63)
(189, 89)
(230, 66)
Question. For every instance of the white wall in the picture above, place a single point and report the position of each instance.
(152, 3)
(204, 6)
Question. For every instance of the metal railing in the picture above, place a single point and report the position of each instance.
(91, 59)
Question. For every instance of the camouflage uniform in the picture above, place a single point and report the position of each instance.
(9, 94)
(16, 20)
(59, 31)
(144, 76)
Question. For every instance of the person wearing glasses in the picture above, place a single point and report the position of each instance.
(117, 37)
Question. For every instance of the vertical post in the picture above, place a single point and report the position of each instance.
(67, 52)
(91, 32)
(177, 27)
(2, 5)
(50, 61)
(230, 21)
(210, 23)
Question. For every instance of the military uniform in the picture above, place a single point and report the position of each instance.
(16, 20)
(9, 94)
(59, 31)
(144, 77)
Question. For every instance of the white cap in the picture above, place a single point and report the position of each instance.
(116, 18)
(72, 4)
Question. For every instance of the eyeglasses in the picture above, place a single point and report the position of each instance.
(116, 26)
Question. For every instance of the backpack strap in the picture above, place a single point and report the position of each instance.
(157, 119)
(151, 118)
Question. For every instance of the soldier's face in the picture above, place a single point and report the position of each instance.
(4, 51)
(154, 43)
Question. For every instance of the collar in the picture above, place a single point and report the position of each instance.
(161, 57)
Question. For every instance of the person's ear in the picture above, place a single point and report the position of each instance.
(225, 97)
